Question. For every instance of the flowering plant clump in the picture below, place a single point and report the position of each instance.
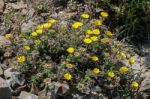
(84, 53)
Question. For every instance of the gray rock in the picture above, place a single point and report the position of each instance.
(26, 95)
(1, 6)
(11, 1)
(143, 63)
(26, 27)
(46, 94)
(59, 88)
(31, 12)
(18, 5)
(145, 86)
(1, 71)
(5, 92)
(9, 72)
(24, 11)
(63, 15)
(14, 77)
(86, 96)
(5, 27)
(4, 42)
(3, 66)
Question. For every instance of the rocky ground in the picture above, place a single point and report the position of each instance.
(19, 16)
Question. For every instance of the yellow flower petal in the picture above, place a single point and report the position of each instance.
(40, 26)
(8, 36)
(70, 50)
(76, 25)
(104, 14)
(34, 34)
(68, 76)
(135, 84)
(85, 15)
(52, 21)
(39, 31)
(132, 60)
(96, 70)
(21, 59)
(108, 33)
(94, 38)
(123, 69)
(95, 58)
(122, 55)
(87, 40)
(27, 48)
(111, 74)
(89, 32)
(47, 25)
(97, 22)
(96, 31)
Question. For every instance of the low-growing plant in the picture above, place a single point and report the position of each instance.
(130, 18)
(83, 54)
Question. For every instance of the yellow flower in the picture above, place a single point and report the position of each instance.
(69, 66)
(108, 33)
(104, 14)
(67, 76)
(39, 31)
(77, 25)
(37, 42)
(94, 38)
(52, 21)
(97, 22)
(87, 36)
(105, 40)
(123, 69)
(111, 74)
(85, 15)
(96, 70)
(87, 40)
(122, 55)
(41, 26)
(27, 48)
(70, 50)
(47, 25)
(21, 59)
(96, 31)
(20, 35)
(132, 60)
(8, 36)
(135, 84)
(34, 34)
(94, 58)
(89, 32)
